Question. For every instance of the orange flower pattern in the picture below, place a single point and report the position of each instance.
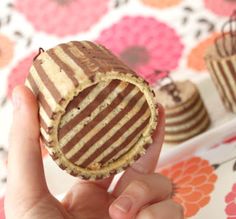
(193, 181)
(196, 56)
(6, 50)
(161, 4)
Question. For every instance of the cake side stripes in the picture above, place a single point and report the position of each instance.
(66, 68)
(105, 58)
(40, 96)
(186, 127)
(220, 85)
(110, 128)
(47, 82)
(81, 96)
(88, 109)
(101, 116)
(188, 105)
(170, 138)
(75, 109)
(183, 119)
(111, 101)
(223, 71)
(118, 150)
(75, 57)
(97, 157)
(104, 104)
(122, 151)
(108, 143)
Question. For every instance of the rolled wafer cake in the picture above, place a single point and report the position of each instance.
(96, 115)
(186, 115)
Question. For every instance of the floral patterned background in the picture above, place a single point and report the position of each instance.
(147, 35)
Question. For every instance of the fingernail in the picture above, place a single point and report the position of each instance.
(16, 100)
(123, 204)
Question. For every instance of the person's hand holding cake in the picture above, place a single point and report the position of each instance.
(96, 117)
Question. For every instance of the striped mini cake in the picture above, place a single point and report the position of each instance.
(221, 62)
(97, 116)
(186, 115)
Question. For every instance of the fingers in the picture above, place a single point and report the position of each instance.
(163, 210)
(146, 189)
(147, 163)
(25, 168)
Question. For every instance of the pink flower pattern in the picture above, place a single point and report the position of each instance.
(230, 199)
(2, 215)
(62, 17)
(221, 7)
(145, 44)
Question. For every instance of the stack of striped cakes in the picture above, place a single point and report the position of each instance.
(186, 116)
(97, 116)
(221, 63)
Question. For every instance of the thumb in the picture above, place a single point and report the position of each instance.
(25, 167)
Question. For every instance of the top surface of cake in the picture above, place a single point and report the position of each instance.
(186, 90)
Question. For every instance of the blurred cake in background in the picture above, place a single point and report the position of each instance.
(186, 115)
(221, 62)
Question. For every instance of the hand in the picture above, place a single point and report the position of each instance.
(139, 194)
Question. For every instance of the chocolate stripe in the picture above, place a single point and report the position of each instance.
(40, 97)
(66, 68)
(33, 85)
(47, 82)
(96, 121)
(84, 67)
(227, 82)
(115, 137)
(90, 54)
(220, 85)
(125, 143)
(114, 63)
(185, 109)
(232, 70)
(89, 109)
(82, 95)
(174, 141)
(189, 118)
(195, 125)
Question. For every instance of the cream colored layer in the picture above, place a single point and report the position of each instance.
(187, 125)
(180, 108)
(45, 135)
(123, 138)
(84, 103)
(102, 106)
(143, 87)
(126, 149)
(42, 112)
(78, 71)
(219, 88)
(61, 81)
(101, 125)
(185, 115)
(44, 90)
(189, 134)
(83, 58)
(223, 82)
(228, 73)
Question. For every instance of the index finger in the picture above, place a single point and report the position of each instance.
(147, 163)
